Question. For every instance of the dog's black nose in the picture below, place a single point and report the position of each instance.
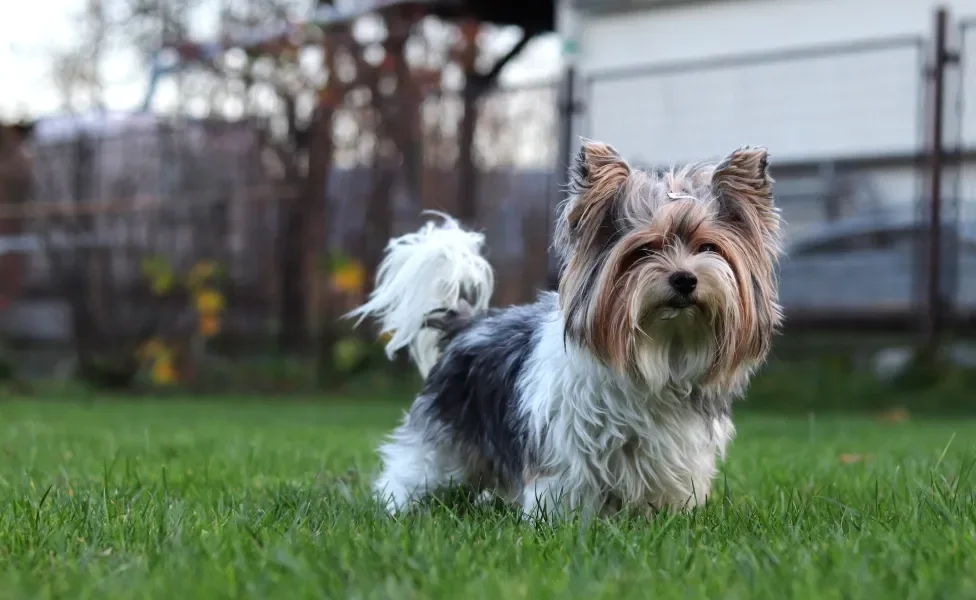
(683, 282)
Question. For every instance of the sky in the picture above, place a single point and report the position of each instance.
(33, 31)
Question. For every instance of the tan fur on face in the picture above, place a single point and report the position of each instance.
(624, 232)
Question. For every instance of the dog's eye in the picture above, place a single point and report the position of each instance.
(707, 248)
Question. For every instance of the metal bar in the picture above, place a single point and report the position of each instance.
(931, 331)
(467, 201)
(873, 320)
(587, 125)
(919, 179)
(810, 166)
(568, 109)
(611, 7)
(953, 198)
(492, 76)
(765, 57)
(475, 87)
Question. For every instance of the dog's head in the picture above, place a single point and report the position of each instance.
(670, 275)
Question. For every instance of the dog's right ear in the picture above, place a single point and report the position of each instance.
(596, 176)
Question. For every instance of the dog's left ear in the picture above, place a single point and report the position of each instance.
(744, 190)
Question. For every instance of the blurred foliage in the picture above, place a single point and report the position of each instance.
(825, 382)
(110, 372)
(343, 351)
(161, 355)
(161, 360)
(367, 373)
(347, 273)
(834, 383)
(8, 371)
(350, 351)
(158, 271)
(11, 380)
(175, 359)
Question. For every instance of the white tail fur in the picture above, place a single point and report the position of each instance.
(437, 267)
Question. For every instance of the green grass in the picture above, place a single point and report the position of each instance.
(172, 499)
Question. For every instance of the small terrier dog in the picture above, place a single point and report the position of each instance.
(613, 394)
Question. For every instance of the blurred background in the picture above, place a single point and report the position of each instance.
(193, 191)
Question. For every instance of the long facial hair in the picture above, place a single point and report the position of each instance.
(624, 233)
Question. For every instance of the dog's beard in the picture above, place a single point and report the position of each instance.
(688, 308)
(674, 339)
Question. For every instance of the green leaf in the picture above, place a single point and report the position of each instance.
(349, 352)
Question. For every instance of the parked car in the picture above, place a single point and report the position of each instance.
(863, 263)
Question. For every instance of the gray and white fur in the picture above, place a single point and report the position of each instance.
(617, 391)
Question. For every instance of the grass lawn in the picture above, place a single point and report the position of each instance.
(179, 499)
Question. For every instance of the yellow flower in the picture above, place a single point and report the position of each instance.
(163, 372)
(209, 325)
(209, 302)
(350, 277)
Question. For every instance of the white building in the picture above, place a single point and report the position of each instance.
(818, 82)
(836, 89)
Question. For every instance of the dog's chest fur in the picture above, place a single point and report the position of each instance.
(602, 434)
(659, 457)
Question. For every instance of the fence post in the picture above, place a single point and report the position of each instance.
(935, 303)
(568, 27)
(569, 107)
(476, 86)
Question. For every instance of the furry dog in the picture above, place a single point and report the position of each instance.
(617, 391)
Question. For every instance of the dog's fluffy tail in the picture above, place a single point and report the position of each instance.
(437, 269)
